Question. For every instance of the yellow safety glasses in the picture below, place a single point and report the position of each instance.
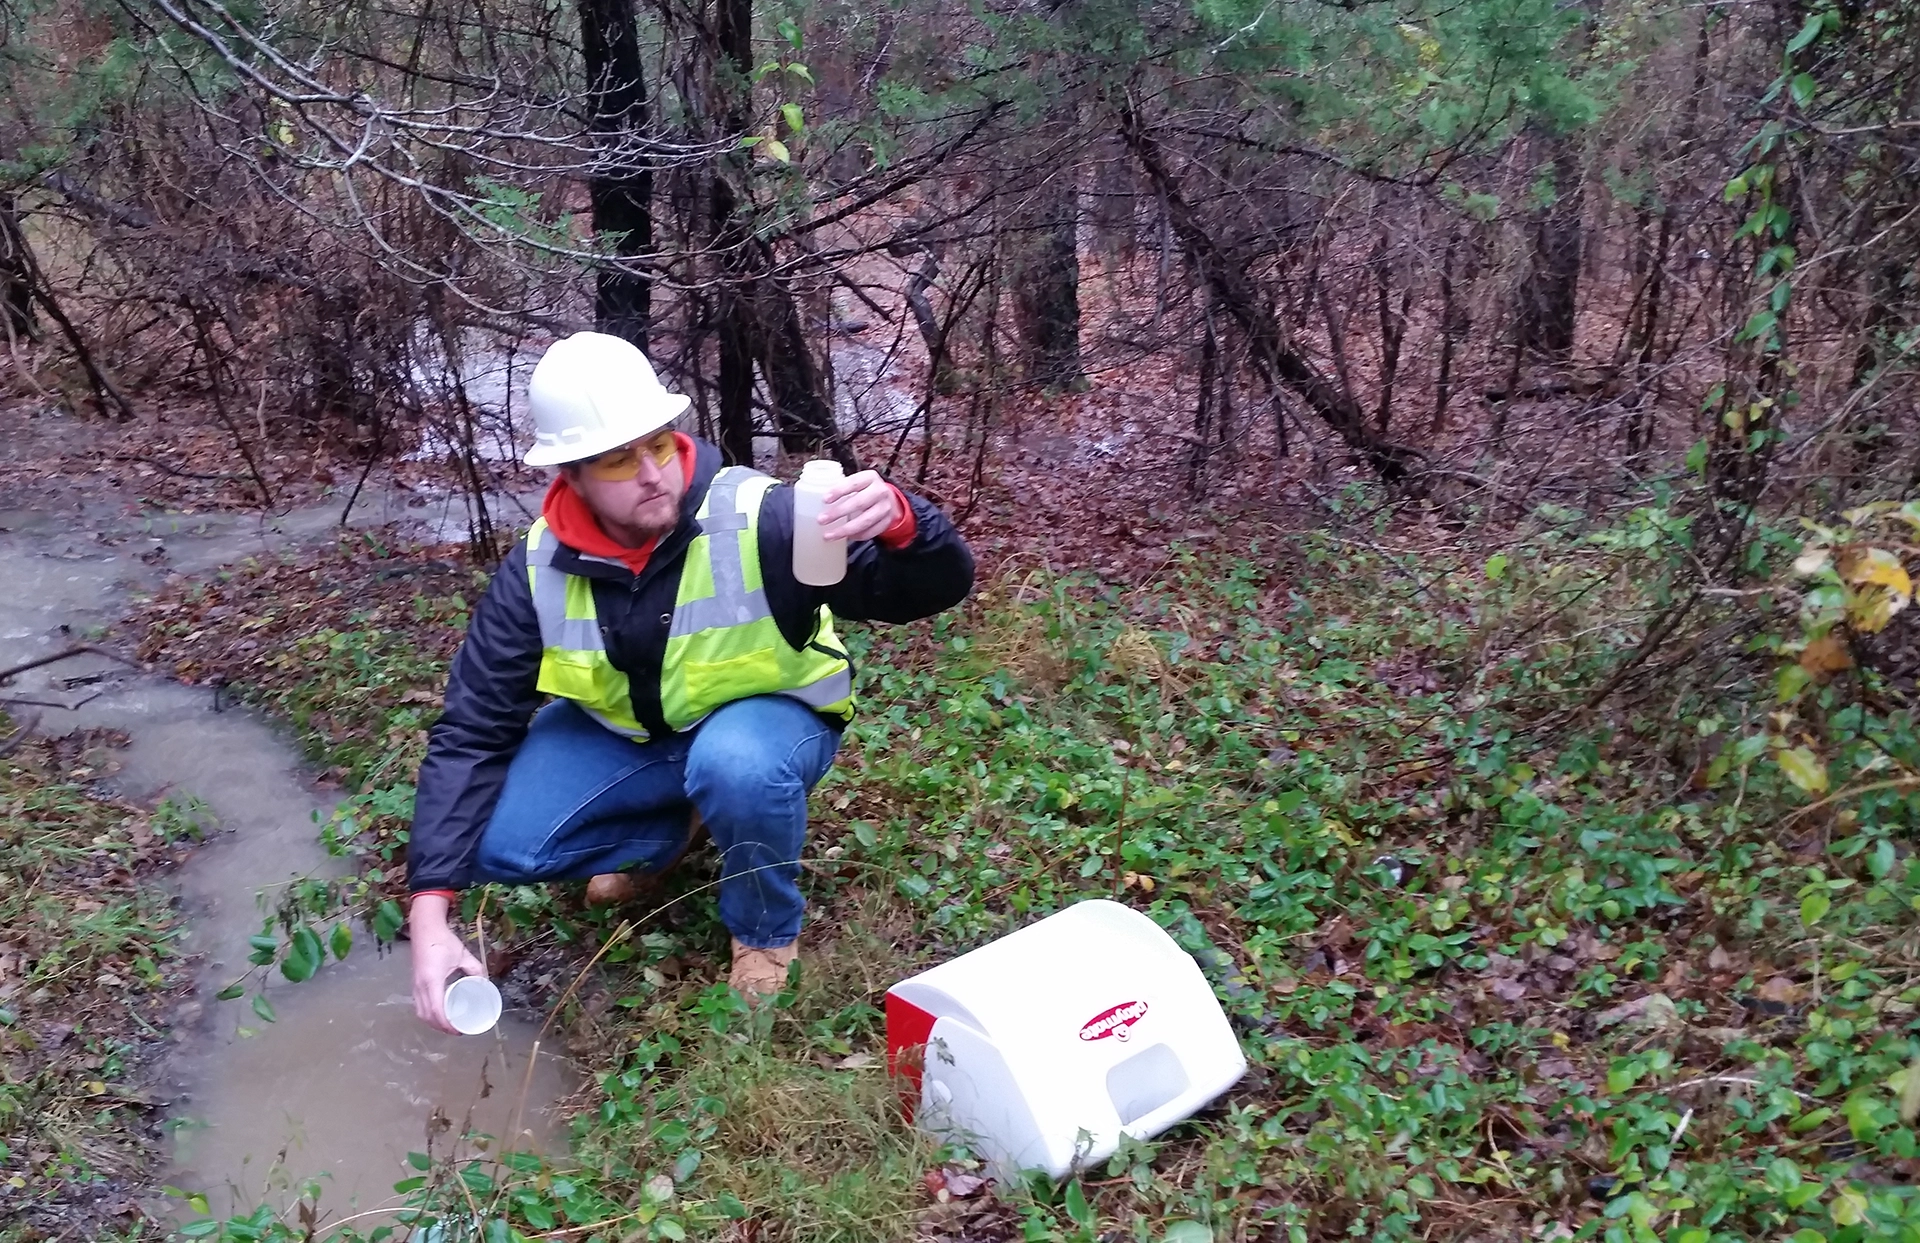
(624, 462)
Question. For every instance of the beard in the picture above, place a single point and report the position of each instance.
(654, 515)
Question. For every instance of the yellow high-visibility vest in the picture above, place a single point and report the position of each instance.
(723, 643)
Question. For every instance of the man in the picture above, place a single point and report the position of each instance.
(692, 674)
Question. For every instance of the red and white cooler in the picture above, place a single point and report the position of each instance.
(1041, 1049)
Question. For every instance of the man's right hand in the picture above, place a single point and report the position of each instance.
(438, 952)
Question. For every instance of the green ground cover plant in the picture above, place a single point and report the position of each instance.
(1529, 929)
(89, 977)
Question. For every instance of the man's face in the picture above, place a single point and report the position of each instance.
(635, 489)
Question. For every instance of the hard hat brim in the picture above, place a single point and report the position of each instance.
(593, 446)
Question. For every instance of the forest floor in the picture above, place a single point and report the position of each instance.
(1502, 968)
(90, 985)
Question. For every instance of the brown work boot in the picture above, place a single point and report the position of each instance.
(610, 889)
(760, 973)
(617, 888)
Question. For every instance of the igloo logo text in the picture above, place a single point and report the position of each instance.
(1116, 1022)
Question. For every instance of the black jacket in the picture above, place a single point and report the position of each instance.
(491, 692)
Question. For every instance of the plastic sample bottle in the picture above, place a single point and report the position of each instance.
(817, 560)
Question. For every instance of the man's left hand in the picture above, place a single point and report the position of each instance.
(859, 507)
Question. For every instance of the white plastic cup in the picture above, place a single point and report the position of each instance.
(472, 1005)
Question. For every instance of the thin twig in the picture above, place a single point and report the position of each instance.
(1894, 783)
(77, 649)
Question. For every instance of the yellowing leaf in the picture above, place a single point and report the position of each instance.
(1876, 566)
(777, 150)
(1870, 608)
(1804, 769)
(1849, 1208)
(1910, 1093)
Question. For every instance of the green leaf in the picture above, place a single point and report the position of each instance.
(802, 72)
(1809, 1120)
(731, 1206)
(1077, 1206)
(538, 1215)
(1791, 681)
(342, 940)
(419, 1161)
(1187, 1232)
(1697, 457)
(1804, 769)
(230, 992)
(388, 919)
(1809, 31)
(264, 1008)
(795, 119)
(1814, 907)
(1757, 327)
(304, 955)
(1496, 567)
(199, 1229)
(407, 1186)
(1803, 88)
(670, 1228)
(1849, 1207)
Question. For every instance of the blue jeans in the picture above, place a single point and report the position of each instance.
(580, 800)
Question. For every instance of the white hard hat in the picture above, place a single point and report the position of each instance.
(592, 392)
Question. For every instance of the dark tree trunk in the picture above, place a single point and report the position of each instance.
(733, 32)
(736, 394)
(621, 187)
(16, 276)
(758, 320)
(1047, 282)
(800, 412)
(1450, 330)
(1550, 292)
(1393, 330)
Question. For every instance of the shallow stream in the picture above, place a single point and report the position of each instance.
(347, 1081)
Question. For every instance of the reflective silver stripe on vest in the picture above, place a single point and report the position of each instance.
(577, 634)
(731, 604)
(827, 691)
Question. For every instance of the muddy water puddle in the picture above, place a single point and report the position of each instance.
(346, 1082)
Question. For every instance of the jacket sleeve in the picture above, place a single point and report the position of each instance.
(928, 576)
(491, 695)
